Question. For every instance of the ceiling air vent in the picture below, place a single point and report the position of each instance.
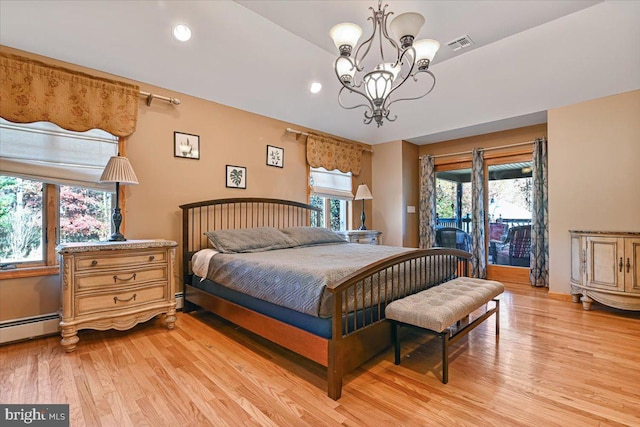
(460, 43)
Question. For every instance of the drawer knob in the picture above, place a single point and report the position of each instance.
(124, 279)
(152, 257)
(116, 299)
(94, 262)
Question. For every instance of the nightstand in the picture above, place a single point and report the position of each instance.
(115, 285)
(369, 237)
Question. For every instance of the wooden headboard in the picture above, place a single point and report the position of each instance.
(233, 213)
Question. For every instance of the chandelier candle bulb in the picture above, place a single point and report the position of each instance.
(378, 85)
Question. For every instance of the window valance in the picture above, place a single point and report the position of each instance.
(331, 153)
(32, 91)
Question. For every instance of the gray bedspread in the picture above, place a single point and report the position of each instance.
(296, 278)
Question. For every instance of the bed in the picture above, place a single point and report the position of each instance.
(341, 323)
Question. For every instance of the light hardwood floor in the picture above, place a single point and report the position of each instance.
(553, 365)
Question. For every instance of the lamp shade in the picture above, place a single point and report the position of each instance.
(119, 170)
(345, 34)
(345, 69)
(363, 193)
(426, 49)
(407, 24)
(378, 85)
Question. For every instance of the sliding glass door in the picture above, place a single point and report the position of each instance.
(509, 191)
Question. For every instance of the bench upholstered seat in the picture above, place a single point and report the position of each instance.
(441, 306)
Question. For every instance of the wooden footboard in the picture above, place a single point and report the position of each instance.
(359, 334)
(359, 330)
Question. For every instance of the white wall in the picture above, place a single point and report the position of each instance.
(594, 174)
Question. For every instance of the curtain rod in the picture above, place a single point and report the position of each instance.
(151, 97)
(483, 149)
(299, 132)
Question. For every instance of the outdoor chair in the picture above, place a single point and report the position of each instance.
(516, 248)
(451, 237)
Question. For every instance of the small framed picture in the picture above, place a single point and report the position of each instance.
(275, 156)
(186, 145)
(236, 177)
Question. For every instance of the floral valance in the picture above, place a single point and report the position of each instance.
(331, 153)
(32, 91)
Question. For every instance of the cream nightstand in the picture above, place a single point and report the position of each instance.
(370, 237)
(115, 285)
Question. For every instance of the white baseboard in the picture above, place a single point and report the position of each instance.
(38, 326)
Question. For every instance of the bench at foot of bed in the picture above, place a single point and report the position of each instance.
(437, 309)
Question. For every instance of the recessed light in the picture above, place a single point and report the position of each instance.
(182, 32)
(315, 87)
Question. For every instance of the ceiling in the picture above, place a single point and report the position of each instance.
(261, 56)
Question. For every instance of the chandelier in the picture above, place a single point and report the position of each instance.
(409, 59)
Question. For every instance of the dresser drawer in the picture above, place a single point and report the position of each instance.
(120, 259)
(120, 278)
(118, 300)
(371, 240)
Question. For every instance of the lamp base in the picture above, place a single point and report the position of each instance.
(117, 237)
(362, 227)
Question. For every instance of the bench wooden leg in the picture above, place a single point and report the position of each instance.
(395, 336)
(497, 301)
(445, 356)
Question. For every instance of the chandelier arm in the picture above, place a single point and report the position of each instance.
(410, 50)
(381, 22)
(368, 42)
(351, 88)
(385, 33)
(369, 107)
(387, 100)
(417, 97)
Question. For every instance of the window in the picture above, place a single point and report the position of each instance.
(331, 191)
(21, 214)
(49, 191)
(453, 199)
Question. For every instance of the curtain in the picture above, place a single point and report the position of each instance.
(331, 153)
(32, 91)
(332, 184)
(427, 202)
(539, 273)
(478, 249)
(45, 152)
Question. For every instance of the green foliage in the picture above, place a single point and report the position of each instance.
(20, 218)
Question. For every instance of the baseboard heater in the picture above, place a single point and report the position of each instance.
(38, 326)
(29, 327)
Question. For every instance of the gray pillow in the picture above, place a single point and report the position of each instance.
(249, 240)
(308, 236)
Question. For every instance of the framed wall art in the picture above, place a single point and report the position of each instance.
(236, 177)
(275, 156)
(186, 145)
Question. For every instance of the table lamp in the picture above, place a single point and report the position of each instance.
(118, 170)
(363, 194)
